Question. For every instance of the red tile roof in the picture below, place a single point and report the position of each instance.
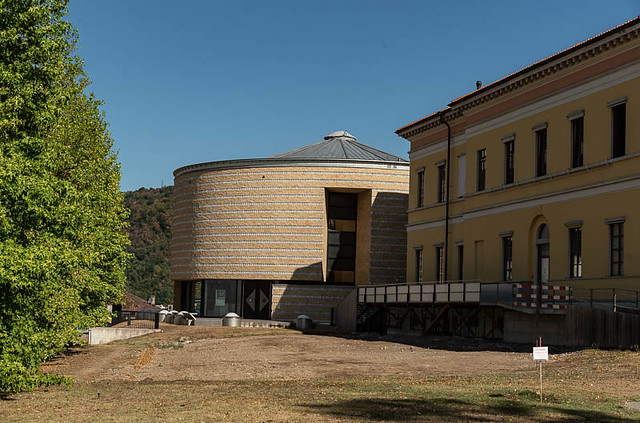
(135, 303)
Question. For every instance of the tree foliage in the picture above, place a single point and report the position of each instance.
(62, 219)
(150, 235)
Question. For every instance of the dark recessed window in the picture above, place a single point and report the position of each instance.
(507, 258)
(575, 252)
(420, 185)
(440, 264)
(342, 215)
(509, 151)
(541, 152)
(482, 169)
(616, 248)
(460, 262)
(577, 142)
(618, 129)
(418, 264)
(442, 187)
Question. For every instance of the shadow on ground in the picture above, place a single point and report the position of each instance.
(453, 410)
(447, 343)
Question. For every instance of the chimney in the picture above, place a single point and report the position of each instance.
(478, 85)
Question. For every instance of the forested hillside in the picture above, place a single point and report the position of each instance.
(150, 234)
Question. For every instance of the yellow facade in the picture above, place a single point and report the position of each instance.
(600, 196)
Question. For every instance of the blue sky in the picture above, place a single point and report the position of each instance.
(203, 80)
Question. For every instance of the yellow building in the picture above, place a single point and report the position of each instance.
(290, 234)
(544, 170)
(524, 206)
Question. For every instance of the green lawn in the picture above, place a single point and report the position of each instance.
(442, 399)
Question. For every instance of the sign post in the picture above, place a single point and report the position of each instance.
(540, 354)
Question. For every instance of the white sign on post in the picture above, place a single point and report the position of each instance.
(541, 353)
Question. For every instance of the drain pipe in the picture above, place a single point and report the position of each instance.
(446, 216)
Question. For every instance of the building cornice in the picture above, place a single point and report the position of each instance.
(595, 85)
(543, 69)
(426, 124)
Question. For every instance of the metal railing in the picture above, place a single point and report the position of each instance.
(523, 294)
(516, 294)
(420, 293)
(613, 299)
(143, 319)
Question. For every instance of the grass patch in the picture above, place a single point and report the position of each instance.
(443, 399)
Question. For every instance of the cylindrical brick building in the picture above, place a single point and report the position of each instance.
(290, 234)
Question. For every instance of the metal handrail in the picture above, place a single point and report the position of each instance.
(522, 294)
(514, 293)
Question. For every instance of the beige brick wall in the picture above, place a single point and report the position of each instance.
(316, 301)
(266, 222)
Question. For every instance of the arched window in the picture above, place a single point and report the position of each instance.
(543, 234)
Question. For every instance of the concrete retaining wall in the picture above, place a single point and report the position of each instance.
(105, 335)
(527, 328)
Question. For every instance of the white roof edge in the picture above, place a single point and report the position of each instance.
(277, 162)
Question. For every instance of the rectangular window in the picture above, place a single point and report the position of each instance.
(577, 142)
(442, 183)
(482, 169)
(575, 252)
(507, 258)
(462, 174)
(616, 247)
(418, 264)
(509, 150)
(420, 193)
(541, 152)
(618, 129)
(460, 262)
(439, 264)
(342, 211)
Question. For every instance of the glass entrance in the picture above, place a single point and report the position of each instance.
(219, 297)
(256, 302)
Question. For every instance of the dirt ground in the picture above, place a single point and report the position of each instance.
(210, 353)
(189, 373)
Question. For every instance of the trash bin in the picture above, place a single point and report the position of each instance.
(304, 322)
(231, 319)
(179, 319)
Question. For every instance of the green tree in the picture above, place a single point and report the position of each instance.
(62, 219)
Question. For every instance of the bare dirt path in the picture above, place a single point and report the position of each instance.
(278, 375)
(206, 354)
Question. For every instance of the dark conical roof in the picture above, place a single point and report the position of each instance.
(339, 145)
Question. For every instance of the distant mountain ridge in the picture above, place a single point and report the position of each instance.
(150, 235)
